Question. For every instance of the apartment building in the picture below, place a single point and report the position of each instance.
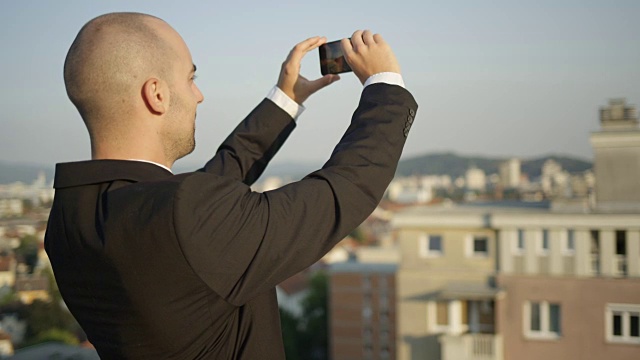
(572, 285)
(446, 295)
(362, 311)
(496, 283)
(517, 283)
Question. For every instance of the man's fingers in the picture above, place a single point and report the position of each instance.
(298, 51)
(347, 47)
(357, 35)
(368, 54)
(318, 84)
(294, 85)
(367, 37)
(309, 44)
(356, 39)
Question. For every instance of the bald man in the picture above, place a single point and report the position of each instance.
(161, 266)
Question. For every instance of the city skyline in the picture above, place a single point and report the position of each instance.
(496, 79)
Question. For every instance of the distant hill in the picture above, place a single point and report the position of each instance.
(26, 173)
(447, 163)
(456, 165)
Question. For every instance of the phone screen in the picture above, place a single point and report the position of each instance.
(332, 59)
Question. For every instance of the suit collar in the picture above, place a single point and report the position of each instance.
(100, 171)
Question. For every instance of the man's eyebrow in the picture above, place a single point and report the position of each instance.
(194, 68)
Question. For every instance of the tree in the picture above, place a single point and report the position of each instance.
(55, 334)
(54, 291)
(315, 322)
(28, 250)
(9, 297)
(291, 335)
(46, 319)
(358, 235)
(307, 337)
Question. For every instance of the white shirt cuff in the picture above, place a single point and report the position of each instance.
(285, 102)
(385, 77)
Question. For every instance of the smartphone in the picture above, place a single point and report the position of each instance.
(332, 59)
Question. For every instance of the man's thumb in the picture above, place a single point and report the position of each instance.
(324, 81)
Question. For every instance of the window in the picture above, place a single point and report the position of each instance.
(595, 241)
(448, 316)
(442, 313)
(554, 318)
(367, 335)
(544, 242)
(480, 246)
(477, 246)
(464, 310)
(368, 351)
(435, 243)
(621, 242)
(535, 317)
(542, 320)
(367, 312)
(382, 282)
(431, 246)
(518, 248)
(438, 320)
(384, 337)
(617, 324)
(595, 251)
(366, 283)
(620, 260)
(623, 323)
(384, 304)
(570, 242)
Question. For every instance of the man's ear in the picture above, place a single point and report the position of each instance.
(155, 94)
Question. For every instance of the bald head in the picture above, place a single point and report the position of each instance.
(110, 59)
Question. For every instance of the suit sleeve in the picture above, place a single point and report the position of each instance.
(243, 243)
(246, 152)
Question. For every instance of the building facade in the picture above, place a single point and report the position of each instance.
(571, 285)
(500, 283)
(617, 158)
(446, 298)
(519, 283)
(510, 173)
(362, 314)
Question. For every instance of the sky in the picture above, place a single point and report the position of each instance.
(492, 78)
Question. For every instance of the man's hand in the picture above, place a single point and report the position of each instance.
(296, 86)
(369, 54)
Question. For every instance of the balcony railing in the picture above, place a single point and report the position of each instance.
(595, 264)
(471, 347)
(620, 265)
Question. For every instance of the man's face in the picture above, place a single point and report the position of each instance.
(181, 116)
(184, 99)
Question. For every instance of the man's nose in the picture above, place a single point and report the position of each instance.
(200, 97)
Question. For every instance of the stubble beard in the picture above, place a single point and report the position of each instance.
(185, 145)
(181, 143)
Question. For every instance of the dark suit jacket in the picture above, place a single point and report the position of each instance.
(162, 266)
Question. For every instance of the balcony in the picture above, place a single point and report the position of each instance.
(471, 347)
(620, 265)
(595, 264)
